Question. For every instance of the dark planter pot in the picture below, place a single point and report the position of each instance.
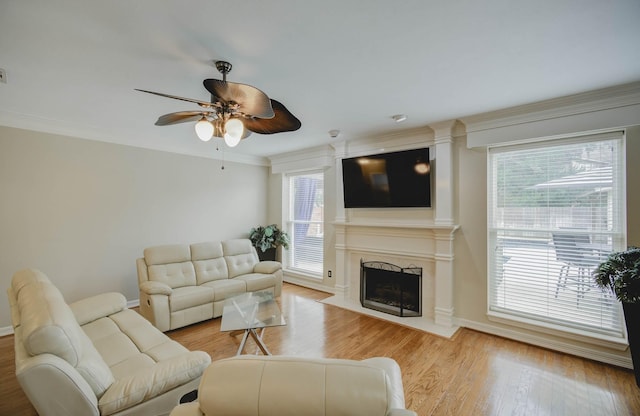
(632, 320)
(270, 254)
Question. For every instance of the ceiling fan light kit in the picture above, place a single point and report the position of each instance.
(204, 129)
(235, 111)
(233, 132)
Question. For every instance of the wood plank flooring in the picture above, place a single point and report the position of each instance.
(472, 374)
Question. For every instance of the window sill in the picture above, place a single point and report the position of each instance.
(574, 334)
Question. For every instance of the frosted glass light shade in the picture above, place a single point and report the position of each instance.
(204, 129)
(233, 132)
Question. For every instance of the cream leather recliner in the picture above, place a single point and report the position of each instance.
(95, 356)
(281, 386)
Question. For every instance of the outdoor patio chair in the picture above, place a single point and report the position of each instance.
(573, 252)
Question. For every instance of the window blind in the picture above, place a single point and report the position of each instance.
(306, 223)
(556, 210)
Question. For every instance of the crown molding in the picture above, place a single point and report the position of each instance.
(391, 142)
(319, 157)
(591, 101)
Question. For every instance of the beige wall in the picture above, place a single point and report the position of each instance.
(633, 186)
(82, 211)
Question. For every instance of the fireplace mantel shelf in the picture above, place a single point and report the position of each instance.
(425, 226)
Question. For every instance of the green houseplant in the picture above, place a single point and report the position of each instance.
(620, 274)
(267, 239)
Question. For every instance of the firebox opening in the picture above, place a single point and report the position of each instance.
(392, 289)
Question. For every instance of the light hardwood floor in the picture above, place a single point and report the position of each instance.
(471, 374)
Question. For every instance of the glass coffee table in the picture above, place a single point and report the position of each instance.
(247, 313)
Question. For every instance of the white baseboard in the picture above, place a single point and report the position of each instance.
(544, 342)
(306, 282)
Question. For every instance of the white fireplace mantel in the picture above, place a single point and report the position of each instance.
(429, 246)
(405, 238)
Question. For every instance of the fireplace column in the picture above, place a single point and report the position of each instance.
(443, 310)
(341, 285)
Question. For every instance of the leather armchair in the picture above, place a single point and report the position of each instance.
(280, 386)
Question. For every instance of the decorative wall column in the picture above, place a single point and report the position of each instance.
(443, 135)
(443, 309)
(341, 285)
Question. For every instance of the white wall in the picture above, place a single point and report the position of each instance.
(82, 211)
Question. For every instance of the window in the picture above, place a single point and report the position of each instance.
(305, 223)
(556, 209)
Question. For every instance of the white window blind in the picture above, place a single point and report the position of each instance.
(556, 209)
(306, 223)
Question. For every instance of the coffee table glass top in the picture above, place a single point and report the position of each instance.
(251, 310)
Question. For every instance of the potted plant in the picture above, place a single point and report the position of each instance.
(620, 273)
(267, 239)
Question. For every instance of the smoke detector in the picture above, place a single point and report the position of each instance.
(334, 133)
(399, 118)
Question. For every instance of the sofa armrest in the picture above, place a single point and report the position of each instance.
(96, 307)
(155, 288)
(391, 367)
(152, 382)
(54, 386)
(267, 267)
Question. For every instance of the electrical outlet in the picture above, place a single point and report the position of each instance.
(3, 76)
(329, 273)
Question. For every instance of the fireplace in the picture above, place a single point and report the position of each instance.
(392, 289)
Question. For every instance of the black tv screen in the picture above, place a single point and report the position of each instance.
(396, 179)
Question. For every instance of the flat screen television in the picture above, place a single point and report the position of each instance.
(388, 180)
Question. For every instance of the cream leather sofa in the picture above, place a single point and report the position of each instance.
(183, 284)
(281, 386)
(94, 356)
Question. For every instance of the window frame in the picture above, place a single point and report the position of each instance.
(618, 235)
(288, 222)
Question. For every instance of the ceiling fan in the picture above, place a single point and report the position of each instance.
(235, 111)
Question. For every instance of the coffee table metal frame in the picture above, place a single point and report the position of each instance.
(248, 312)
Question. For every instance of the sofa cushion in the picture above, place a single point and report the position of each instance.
(25, 277)
(173, 274)
(212, 269)
(227, 288)
(258, 281)
(206, 251)
(238, 246)
(50, 327)
(190, 296)
(173, 253)
(240, 255)
(95, 307)
(240, 264)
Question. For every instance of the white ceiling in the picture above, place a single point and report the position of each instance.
(72, 66)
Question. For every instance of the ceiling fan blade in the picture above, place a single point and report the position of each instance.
(281, 122)
(251, 101)
(180, 117)
(175, 97)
